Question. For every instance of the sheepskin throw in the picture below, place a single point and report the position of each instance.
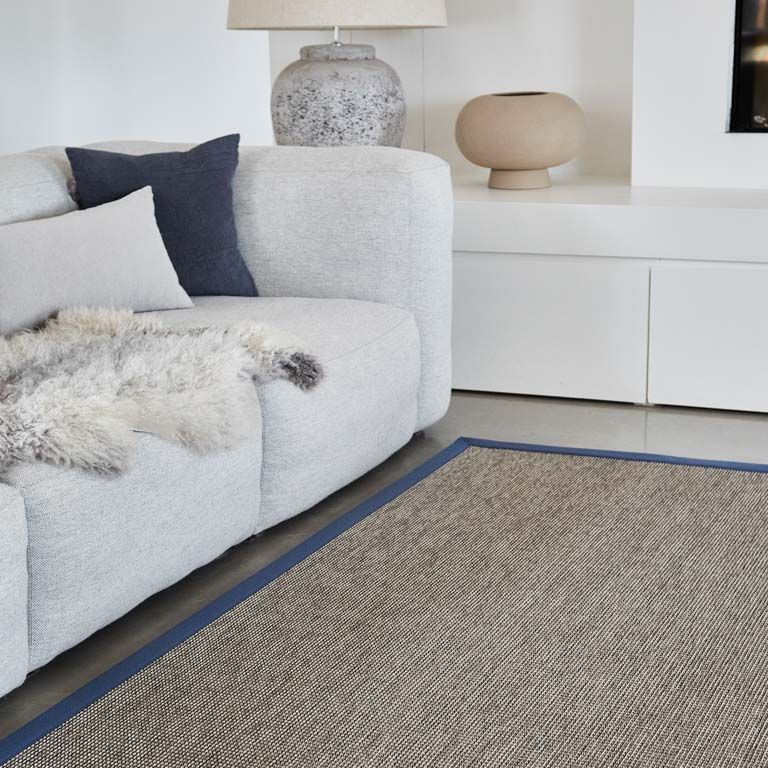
(76, 391)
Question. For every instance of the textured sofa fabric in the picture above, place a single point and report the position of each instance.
(361, 238)
(369, 223)
(99, 546)
(14, 646)
(364, 410)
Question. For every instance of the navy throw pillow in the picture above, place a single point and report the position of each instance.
(193, 207)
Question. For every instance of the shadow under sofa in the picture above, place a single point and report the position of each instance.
(351, 251)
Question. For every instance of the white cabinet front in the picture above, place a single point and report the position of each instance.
(709, 336)
(549, 325)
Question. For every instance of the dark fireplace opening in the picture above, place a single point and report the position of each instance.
(749, 107)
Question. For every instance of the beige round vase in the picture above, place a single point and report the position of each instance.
(520, 136)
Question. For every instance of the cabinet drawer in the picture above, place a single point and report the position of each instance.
(709, 336)
(547, 325)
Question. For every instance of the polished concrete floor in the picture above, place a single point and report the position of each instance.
(681, 432)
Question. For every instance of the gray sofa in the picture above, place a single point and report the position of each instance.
(351, 250)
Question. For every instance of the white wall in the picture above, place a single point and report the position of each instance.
(683, 66)
(580, 47)
(31, 46)
(152, 69)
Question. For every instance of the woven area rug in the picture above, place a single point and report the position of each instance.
(504, 605)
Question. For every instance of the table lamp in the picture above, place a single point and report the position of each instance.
(337, 94)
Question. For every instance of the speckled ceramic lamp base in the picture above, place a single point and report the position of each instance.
(338, 95)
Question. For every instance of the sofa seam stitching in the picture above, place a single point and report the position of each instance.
(372, 341)
(356, 349)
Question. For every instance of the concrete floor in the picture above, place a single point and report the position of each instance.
(676, 431)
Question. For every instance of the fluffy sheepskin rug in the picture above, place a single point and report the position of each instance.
(75, 391)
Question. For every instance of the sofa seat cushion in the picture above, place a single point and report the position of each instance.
(363, 411)
(98, 546)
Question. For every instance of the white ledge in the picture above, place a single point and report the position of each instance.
(610, 218)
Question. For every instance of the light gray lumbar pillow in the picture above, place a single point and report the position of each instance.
(111, 255)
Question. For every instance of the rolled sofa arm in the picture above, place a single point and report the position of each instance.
(14, 635)
(370, 223)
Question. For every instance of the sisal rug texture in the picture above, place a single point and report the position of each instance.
(513, 608)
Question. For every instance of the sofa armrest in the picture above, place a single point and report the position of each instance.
(14, 633)
(369, 223)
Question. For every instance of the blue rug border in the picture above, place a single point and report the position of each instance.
(650, 458)
(19, 740)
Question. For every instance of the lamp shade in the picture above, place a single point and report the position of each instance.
(326, 14)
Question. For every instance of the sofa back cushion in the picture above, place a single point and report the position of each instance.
(33, 186)
(112, 255)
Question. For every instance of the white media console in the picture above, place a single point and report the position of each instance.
(595, 289)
